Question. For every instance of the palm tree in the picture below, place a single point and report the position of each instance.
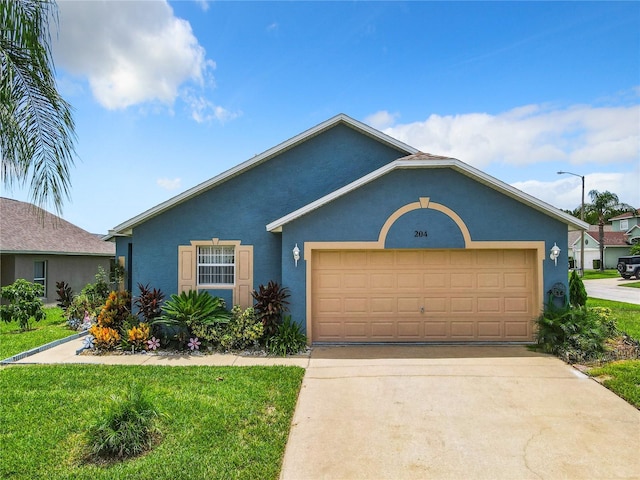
(605, 205)
(37, 131)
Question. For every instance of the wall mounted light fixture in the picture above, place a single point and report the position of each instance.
(296, 254)
(555, 253)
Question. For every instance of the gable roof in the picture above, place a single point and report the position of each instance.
(27, 229)
(622, 216)
(427, 160)
(611, 239)
(125, 228)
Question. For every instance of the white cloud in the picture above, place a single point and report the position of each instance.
(203, 110)
(130, 52)
(382, 119)
(169, 184)
(529, 134)
(566, 192)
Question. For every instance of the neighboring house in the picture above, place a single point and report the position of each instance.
(43, 248)
(629, 223)
(376, 241)
(618, 238)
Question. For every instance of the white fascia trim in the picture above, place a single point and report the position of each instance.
(571, 221)
(125, 228)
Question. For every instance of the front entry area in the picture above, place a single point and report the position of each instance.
(423, 295)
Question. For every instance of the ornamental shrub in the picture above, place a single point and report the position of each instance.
(577, 292)
(576, 334)
(104, 338)
(244, 329)
(115, 311)
(24, 303)
(128, 427)
(271, 304)
(288, 339)
(149, 302)
(188, 312)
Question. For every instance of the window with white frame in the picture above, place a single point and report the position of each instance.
(40, 275)
(216, 265)
(624, 225)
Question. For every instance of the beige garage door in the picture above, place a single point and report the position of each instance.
(423, 295)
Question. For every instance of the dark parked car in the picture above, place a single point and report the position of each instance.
(629, 266)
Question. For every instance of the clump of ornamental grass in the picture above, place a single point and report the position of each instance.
(128, 427)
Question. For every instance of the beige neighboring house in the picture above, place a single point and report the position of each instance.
(43, 248)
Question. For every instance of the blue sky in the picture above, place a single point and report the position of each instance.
(168, 95)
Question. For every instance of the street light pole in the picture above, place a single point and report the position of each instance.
(581, 218)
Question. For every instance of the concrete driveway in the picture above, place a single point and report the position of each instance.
(456, 412)
(613, 289)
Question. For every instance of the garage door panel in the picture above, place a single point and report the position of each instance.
(490, 305)
(462, 330)
(516, 280)
(422, 295)
(356, 280)
(356, 305)
(436, 330)
(409, 329)
(461, 280)
(382, 280)
(489, 280)
(518, 329)
(489, 330)
(383, 330)
(435, 280)
(329, 305)
(436, 305)
(383, 305)
(516, 305)
(409, 305)
(409, 280)
(462, 305)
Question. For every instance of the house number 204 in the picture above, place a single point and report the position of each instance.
(420, 233)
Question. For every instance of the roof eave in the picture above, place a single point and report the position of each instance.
(537, 204)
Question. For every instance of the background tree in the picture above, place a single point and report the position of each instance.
(605, 205)
(37, 131)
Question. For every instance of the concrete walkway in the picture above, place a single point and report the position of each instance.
(66, 353)
(613, 289)
(440, 412)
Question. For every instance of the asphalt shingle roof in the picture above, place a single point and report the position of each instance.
(25, 228)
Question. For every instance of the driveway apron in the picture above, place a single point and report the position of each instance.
(456, 412)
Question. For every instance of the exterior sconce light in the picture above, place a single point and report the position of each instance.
(296, 254)
(555, 253)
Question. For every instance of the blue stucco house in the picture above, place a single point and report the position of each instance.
(376, 241)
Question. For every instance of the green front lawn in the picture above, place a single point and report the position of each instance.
(596, 274)
(626, 315)
(632, 285)
(623, 378)
(13, 341)
(221, 422)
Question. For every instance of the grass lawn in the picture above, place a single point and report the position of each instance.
(632, 285)
(627, 315)
(623, 378)
(222, 422)
(13, 341)
(596, 274)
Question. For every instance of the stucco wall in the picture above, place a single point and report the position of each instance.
(359, 216)
(76, 270)
(240, 208)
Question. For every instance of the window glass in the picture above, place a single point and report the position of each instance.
(216, 265)
(40, 274)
